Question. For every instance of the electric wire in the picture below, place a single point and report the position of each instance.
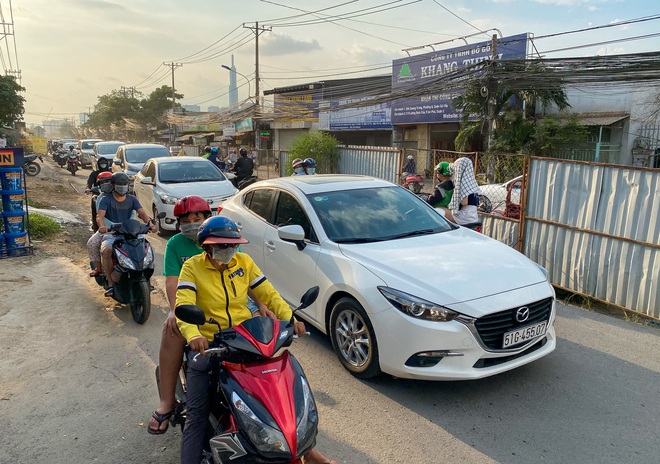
(456, 16)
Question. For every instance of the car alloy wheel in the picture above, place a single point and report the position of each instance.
(353, 339)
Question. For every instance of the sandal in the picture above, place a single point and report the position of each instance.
(110, 292)
(160, 418)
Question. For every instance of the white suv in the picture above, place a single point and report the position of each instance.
(86, 151)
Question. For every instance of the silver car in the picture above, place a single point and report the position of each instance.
(107, 150)
(131, 157)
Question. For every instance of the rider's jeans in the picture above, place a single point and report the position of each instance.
(197, 408)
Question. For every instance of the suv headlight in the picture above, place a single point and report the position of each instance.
(416, 307)
(168, 199)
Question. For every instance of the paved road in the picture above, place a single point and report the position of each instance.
(76, 386)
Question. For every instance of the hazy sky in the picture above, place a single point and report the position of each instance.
(72, 51)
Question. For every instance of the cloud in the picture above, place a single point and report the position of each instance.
(282, 44)
(98, 5)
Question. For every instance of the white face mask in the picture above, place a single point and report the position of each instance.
(223, 255)
(190, 230)
(311, 171)
(299, 170)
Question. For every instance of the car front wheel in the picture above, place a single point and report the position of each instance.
(353, 339)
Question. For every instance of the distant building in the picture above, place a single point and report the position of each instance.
(83, 117)
(213, 109)
(193, 108)
(53, 126)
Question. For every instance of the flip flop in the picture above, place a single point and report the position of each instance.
(160, 418)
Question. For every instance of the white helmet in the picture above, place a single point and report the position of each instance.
(410, 157)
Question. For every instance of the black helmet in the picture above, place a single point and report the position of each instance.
(242, 152)
(103, 164)
(119, 178)
(207, 149)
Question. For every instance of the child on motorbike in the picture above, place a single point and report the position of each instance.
(198, 285)
(190, 212)
(462, 208)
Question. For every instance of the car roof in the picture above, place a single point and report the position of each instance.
(114, 142)
(177, 159)
(327, 182)
(144, 145)
(90, 140)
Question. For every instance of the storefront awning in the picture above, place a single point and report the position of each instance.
(223, 138)
(600, 119)
(183, 138)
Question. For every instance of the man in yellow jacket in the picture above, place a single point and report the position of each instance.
(217, 281)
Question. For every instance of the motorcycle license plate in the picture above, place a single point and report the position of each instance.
(524, 334)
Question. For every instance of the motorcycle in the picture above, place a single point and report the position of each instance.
(245, 182)
(30, 165)
(413, 182)
(476, 226)
(61, 157)
(72, 163)
(262, 407)
(133, 266)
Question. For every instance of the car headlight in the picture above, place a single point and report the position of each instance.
(168, 199)
(416, 307)
(544, 271)
(307, 417)
(148, 257)
(125, 261)
(263, 436)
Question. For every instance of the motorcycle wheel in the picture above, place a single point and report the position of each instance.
(141, 302)
(485, 206)
(349, 323)
(32, 169)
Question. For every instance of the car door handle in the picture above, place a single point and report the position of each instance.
(270, 245)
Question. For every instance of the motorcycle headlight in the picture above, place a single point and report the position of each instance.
(307, 418)
(125, 261)
(148, 257)
(168, 199)
(263, 436)
(416, 307)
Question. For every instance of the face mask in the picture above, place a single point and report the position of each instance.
(311, 170)
(299, 170)
(223, 255)
(106, 188)
(190, 230)
(121, 189)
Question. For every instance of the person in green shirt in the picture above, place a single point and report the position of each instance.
(190, 212)
(445, 189)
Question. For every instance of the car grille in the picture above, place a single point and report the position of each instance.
(492, 328)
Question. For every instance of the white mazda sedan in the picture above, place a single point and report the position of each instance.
(402, 290)
(162, 181)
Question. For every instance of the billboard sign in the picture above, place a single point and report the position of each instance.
(370, 117)
(420, 70)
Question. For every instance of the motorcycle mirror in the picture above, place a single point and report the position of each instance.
(191, 314)
(309, 297)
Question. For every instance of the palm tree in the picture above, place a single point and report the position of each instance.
(518, 87)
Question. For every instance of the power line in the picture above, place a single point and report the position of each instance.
(456, 16)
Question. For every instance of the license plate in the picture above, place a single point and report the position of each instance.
(515, 337)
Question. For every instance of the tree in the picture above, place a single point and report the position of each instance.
(11, 102)
(109, 113)
(509, 90)
(156, 104)
(318, 145)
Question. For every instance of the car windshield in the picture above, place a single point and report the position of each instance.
(196, 171)
(142, 154)
(108, 148)
(89, 144)
(375, 214)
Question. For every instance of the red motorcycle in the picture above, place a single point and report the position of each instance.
(72, 163)
(262, 407)
(413, 182)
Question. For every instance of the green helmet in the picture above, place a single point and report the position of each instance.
(443, 168)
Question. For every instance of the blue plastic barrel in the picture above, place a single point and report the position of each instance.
(12, 200)
(16, 244)
(14, 222)
(11, 178)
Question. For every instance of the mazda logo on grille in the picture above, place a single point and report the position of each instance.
(522, 314)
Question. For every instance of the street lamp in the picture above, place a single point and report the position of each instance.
(248, 80)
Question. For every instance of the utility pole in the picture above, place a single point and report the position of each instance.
(125, 89)
(173, 66)
(257, 108)
(492, 91)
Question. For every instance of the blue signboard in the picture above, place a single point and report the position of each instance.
(420, 70)
(370, 117)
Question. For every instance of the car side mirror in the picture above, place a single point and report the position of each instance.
(147, 181)
(190, 314)
(116, 161)
(294, 234)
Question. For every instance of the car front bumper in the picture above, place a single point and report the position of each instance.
(453, 350)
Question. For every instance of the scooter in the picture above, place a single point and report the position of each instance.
(262, 407)
(414, 182)
(133, 266)
(61, 157)
(72, 163)
(476, 226)
(30, 165)
(245, 182)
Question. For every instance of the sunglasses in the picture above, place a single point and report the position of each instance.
(224, 246)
